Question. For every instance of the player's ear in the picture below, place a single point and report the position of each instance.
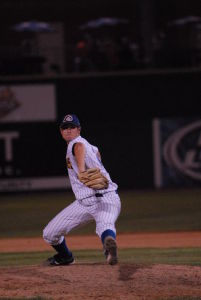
(79, 128)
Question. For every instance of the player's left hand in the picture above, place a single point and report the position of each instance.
(94, 179)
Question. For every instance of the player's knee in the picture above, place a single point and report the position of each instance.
(51, 236)
(47, 236)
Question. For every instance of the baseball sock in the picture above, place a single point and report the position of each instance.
(62, 249)
(106, 233)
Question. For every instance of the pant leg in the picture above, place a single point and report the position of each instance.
(107, 212)
(69, 218)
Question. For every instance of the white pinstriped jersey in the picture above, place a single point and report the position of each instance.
(91, 161)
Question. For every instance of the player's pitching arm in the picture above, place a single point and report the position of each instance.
(92, 177)
(80, 151)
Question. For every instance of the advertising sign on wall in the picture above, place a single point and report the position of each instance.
(27, 103)
(27, 128)
(177, 152)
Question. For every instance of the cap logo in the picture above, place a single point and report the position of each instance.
(68, 118)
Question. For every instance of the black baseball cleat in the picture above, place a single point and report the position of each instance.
(58, 260)
(110, 250)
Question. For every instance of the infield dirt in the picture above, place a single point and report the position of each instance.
(98, 281)
(132, 240)
(83, 281)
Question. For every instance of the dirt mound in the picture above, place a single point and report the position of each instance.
(101, 281)
(85, 281)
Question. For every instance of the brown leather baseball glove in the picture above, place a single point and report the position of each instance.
(93, 179)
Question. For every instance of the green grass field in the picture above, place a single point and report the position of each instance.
(176, 256)
(166, 210)
(24, 215)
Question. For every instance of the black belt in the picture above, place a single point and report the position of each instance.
(98, 195)
(101, 195)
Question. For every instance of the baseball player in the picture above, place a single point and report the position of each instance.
(96, 197)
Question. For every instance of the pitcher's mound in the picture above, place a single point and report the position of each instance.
(83, 281)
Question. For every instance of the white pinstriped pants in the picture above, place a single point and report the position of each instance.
(104, 210)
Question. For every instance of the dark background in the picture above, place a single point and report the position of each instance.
(116, 108)
(160, 46)
(75, 12)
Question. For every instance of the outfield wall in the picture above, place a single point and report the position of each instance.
(117, 113)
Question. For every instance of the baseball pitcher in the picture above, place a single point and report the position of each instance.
(96, 197)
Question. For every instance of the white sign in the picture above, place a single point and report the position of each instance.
(189, 163)
(27, 103)
(31, 184)
(177, 152)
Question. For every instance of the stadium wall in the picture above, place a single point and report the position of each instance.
(116, 112)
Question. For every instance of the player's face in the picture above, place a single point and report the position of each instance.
(70, 133)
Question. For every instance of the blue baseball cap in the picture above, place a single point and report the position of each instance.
(69, 119)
